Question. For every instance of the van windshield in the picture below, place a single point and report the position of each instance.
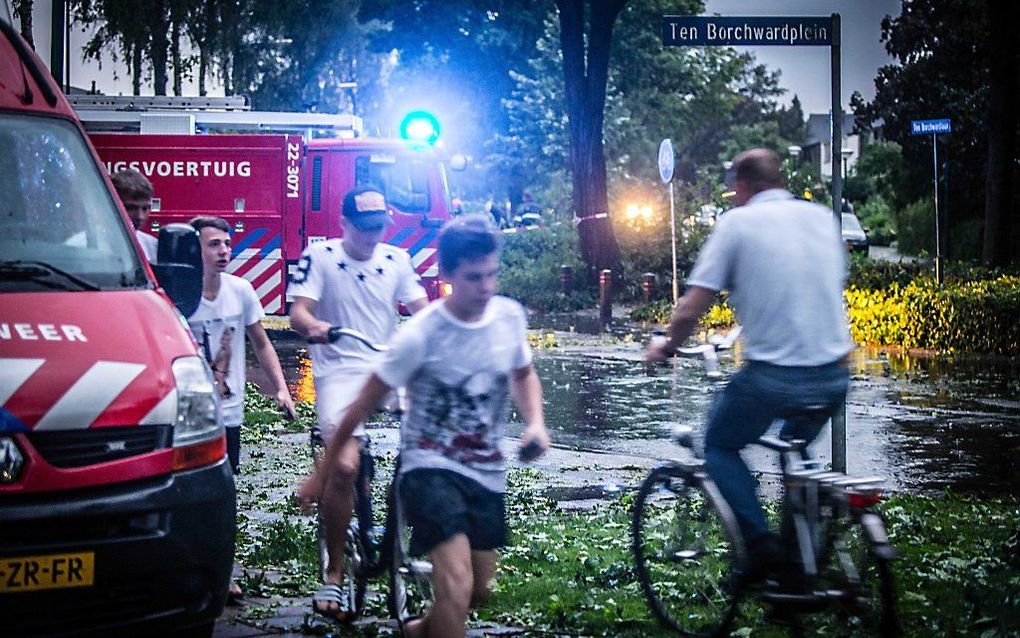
(59, 226)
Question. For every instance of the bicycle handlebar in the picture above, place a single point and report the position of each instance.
(336, 332)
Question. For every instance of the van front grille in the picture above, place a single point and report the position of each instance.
(78, 448)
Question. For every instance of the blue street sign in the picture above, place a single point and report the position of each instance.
(930, 127)
(682, 31)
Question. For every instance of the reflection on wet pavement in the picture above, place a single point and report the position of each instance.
(924, 423)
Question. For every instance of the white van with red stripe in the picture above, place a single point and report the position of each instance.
(117, 509)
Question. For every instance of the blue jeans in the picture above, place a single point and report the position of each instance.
(756, 396)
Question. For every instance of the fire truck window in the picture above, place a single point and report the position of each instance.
(317, 183)
(403, 181)
(57, 210)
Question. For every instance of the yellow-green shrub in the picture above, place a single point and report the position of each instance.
(976, 316)
(720, 315)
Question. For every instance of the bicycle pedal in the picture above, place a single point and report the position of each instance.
(417, 567)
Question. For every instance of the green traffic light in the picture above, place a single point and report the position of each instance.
(420, 126)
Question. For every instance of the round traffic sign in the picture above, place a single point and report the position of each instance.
(666, 160)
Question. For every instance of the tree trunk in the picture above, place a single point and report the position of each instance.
(585, 91)
(203, 56)
(136, 68)
(175, 52)
(23, 10)
(159, 46)
(1002, 104)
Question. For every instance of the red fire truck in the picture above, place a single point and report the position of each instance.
(279, 192)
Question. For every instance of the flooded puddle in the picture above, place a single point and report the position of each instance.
(924, 424)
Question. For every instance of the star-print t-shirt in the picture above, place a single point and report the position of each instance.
(457, 378)
(362, 295)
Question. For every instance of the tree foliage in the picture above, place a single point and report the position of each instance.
(23, 12)
(711, 101)
(284, 56)
(944, 61)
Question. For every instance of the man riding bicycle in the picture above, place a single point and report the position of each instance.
(354, 282)
(783, 262)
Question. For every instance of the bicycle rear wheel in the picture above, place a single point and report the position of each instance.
(859, 577)
(685, 551)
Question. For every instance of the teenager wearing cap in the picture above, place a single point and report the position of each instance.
(352, 282)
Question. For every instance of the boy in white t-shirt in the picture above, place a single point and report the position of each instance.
(460, 361)
(135, 193)
(228, 311)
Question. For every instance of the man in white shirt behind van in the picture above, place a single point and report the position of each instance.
(135, 193)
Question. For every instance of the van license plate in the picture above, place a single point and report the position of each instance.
(50, 571)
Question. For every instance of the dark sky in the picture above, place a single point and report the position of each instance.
(805, 70)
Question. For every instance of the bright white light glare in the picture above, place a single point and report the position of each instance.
(420, 130)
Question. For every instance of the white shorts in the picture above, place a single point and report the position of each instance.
(333, 395)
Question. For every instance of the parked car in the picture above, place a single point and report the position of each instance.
(854, 237)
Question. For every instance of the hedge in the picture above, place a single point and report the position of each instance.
(976, 316)
(959, 316)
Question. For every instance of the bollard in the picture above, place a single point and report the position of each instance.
(648, 286)
(605, 298)
(566, 278)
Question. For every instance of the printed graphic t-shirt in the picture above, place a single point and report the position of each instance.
(456, 375)
(349, 293)
(218, 327)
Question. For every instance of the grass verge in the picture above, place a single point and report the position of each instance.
(571, 573)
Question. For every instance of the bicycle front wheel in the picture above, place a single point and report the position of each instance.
(410, 594)
(685, 552)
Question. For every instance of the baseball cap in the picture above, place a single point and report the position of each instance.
(366, 208)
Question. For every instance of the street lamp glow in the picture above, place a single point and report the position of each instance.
(638, 212)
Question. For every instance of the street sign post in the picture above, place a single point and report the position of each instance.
(779, 31)
(667, 160)
(935, 128)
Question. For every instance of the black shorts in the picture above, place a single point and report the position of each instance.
(440, 504)
(234, 448)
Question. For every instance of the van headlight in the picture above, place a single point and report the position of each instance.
(197, 409)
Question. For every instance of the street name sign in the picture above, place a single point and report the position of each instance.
(679, 31)
(930, 127)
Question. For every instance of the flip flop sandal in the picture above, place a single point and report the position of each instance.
(331, 593)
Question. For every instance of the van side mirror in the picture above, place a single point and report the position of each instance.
(178, 266)
(458, 162)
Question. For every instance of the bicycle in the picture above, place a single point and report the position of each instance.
(365, 555)
(690, 556)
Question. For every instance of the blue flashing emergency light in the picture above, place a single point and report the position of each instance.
(420, 126)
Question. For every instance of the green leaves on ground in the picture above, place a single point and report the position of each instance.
(571, 572)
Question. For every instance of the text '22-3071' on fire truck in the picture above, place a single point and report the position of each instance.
(279, 192)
